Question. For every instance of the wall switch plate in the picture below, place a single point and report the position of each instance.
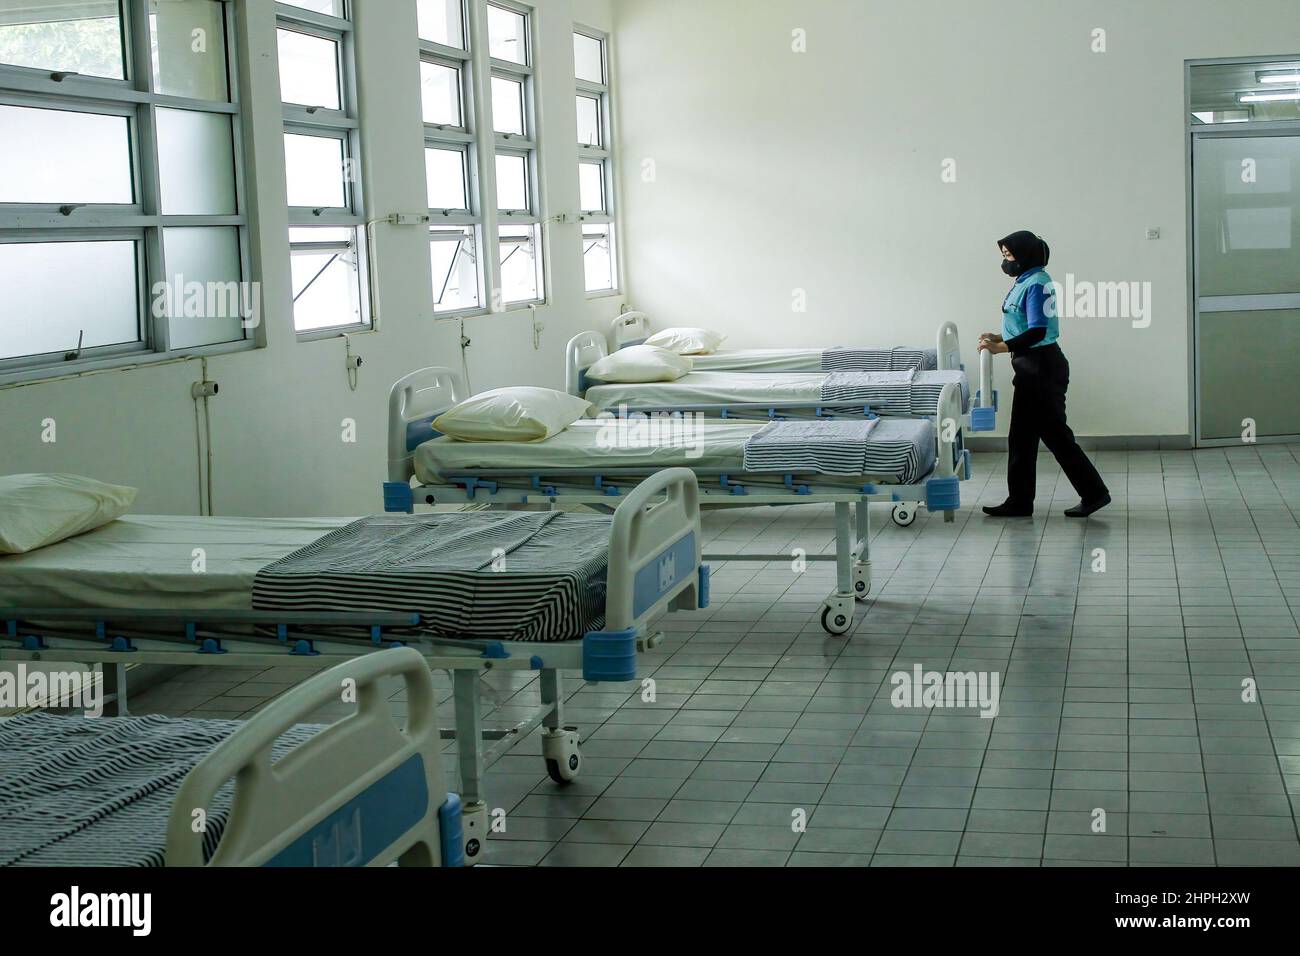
(1153, 233)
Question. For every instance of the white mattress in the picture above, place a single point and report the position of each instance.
(146, 561)
(590, 446)
(757, 388)
(774, 360)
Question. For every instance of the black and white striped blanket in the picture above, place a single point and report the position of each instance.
(98, 792)
(521, 576)
(811, 447)
(878, 360)
(889, 393)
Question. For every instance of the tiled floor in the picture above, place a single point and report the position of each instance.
(1124, 646)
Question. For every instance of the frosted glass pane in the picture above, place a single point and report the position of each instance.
(507, 106)
(1248, 371)
(309, 70)
(444, 170)
(326, 279)
(512, 182)
(188, 39)
(591, 179)
(455, 275)
(205, 298)
(588, 58)
(588, 121)
(507, 35)
(331, 8)
(440, 94)
(440, 22)
(598, 257)
(314, 166)
(63, 35)
(196, 163)
(53, 156)
(520, 264)
(101, 300)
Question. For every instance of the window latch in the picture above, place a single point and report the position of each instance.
(76, 353)
(70, 209)
(60, 75)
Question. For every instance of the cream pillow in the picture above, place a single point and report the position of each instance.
(517, 413)
(640, 363)
(36, 510)
(687, 341)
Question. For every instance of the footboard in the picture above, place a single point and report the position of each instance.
(630, 328)
(654, 565)
(413, 403)
(948, 347)
(948, 432)
(582, 352)
(361, 792)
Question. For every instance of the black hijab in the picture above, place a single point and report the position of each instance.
(1030, 251)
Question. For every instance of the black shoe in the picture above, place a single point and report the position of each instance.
(1009, 509)
(1085, 508)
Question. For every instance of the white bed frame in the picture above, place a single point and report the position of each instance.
(633, 328)
(654, 565)
(422, 396)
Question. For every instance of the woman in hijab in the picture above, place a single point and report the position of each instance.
(1029, 332)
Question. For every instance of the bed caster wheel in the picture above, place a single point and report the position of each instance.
(563, 759)
(861, 581)
(474, 826)
(904, 514)
(836, 618)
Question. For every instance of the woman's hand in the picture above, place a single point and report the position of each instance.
(993, 345)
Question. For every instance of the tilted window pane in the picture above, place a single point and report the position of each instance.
(589, 121)
(56, 156)
(507, 35)
(196, 163)
(455, 271)
(440, 22)
(444, 170)
(507, 106)
(520, 263)
(309, 70)
(315, 168)
(440, 94)
(206, 298)
(591, 180)
(74, 36)
(598, 257)
(188, 38)
(325, 264)
(103, 301)
(512, 182)
(588, 58)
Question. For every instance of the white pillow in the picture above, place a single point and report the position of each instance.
(640, 363)
(36, 510)
(687, 341)
(516, 413)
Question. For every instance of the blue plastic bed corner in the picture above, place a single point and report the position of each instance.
(451, 831)
(399, 497)
(984, 419)
(943, 494)
(609, 656)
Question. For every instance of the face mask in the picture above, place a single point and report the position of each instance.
(1011, 267)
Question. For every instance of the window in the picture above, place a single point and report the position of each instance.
(519, 230)
(327, 236)
(596, 160)
(450, 155)
(122, 228)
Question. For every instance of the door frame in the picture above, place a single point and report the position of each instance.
(1215, 131)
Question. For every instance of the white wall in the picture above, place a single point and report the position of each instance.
(820, 171)
(277, 435)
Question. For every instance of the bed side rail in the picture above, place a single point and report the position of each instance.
(580, 353)
(413, 403)
(630, 328)
(361, 792)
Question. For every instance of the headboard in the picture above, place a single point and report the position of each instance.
(630, 328)
(413, 403)
(582, 352)
(948, 346)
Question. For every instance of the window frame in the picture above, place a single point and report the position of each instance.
(135, 98)
(342, 124)
(604, 155)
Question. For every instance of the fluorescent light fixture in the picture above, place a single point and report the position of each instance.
(1285, 76)
(1268, 97)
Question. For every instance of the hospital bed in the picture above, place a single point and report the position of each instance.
(569, 593)
(633, 328)
(597, 462)
(269, 791)
(833, 393)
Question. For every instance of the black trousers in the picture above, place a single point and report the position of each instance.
(1038, 411)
